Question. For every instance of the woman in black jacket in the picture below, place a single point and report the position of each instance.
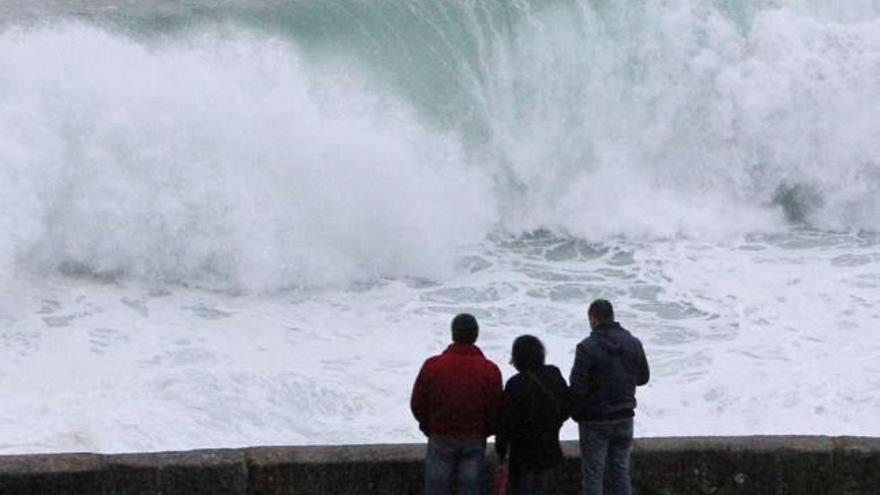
(534, 408)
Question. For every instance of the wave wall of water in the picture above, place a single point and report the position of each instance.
(281, 144)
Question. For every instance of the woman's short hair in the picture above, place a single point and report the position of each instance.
(528, 353)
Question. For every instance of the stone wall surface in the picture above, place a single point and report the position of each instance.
(782, 465)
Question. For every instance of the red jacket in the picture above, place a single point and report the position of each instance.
(457, 394)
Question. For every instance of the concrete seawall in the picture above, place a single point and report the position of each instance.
(663, 466)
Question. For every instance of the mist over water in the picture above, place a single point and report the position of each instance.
(273, 200)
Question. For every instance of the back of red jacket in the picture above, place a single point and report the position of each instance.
(457, 394)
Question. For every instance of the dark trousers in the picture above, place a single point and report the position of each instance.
(606, 445)
(529, 482)
(450, 457)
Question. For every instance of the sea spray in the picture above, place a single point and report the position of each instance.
(219, 163)
(280, 144)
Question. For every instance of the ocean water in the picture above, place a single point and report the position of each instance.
(238, 223)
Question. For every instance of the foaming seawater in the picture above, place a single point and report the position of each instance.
(225, 163)
(773, 334)
(688, 118)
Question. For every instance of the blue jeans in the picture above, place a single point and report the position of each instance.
(450, 457)
(607, 443)
(529, 482)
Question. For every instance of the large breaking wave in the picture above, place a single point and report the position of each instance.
(276, 144)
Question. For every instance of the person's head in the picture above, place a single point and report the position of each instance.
(601, 311)
(465, 329)
(528, 353)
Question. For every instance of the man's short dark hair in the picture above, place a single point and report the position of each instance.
(465, 329)
(602, 311)
(528, 353)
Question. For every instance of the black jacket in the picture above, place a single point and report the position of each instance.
(534, 407)
(608, 366)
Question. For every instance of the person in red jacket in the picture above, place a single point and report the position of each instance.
(456, 399)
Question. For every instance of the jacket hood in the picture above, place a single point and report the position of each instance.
(610, 337)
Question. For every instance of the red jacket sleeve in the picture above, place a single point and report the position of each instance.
(419, 401)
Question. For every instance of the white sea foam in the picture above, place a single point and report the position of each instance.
(657, 119)
(773, 336)
(225, 163)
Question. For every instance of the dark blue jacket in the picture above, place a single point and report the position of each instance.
(608, 366)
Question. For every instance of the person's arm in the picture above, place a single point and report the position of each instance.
(420, 397)
(579, 381)
(496, 392)
(644, 371)
(564, 401)
(505, 419)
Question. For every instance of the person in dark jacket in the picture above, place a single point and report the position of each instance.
(534, 406)
(456, 399)
(608, 366)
